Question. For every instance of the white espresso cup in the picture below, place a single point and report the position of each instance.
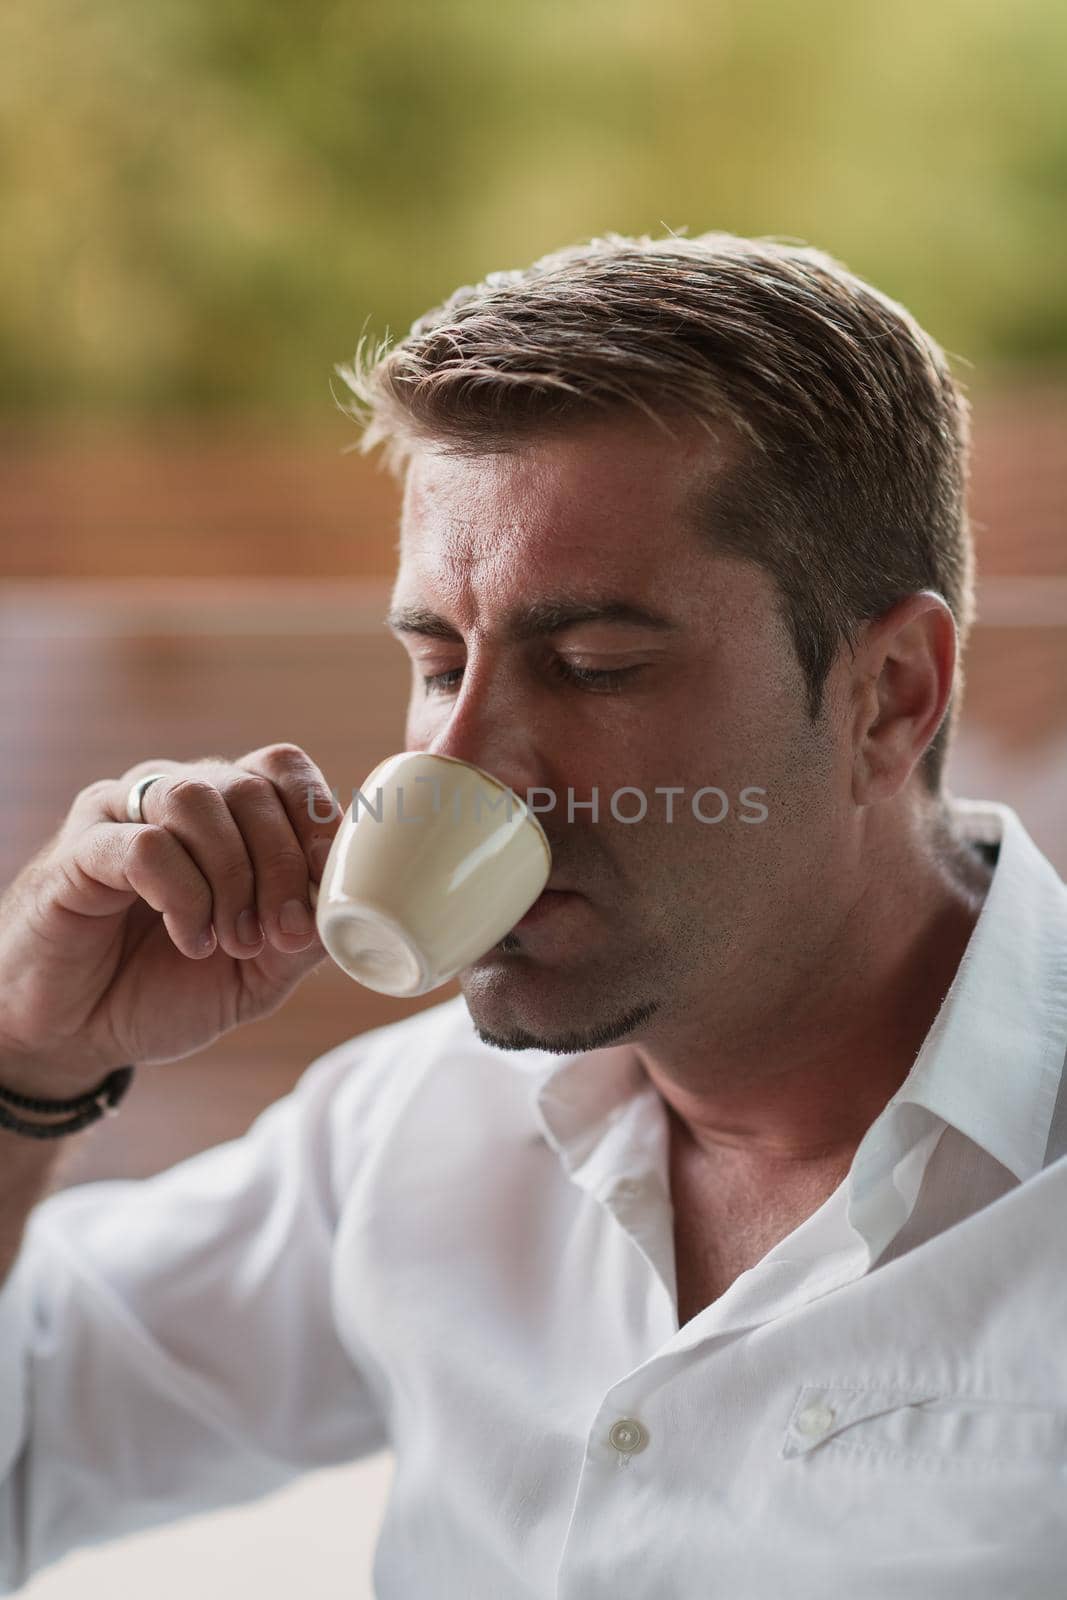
(434, 862)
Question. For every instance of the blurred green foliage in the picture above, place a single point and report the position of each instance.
(205, 201)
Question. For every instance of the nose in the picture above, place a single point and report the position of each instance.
(492, 728)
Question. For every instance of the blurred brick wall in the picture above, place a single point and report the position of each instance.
(228, 500)
(190, 502)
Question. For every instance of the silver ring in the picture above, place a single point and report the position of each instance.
(136, 795)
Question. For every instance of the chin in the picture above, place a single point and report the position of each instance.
(528, 1010)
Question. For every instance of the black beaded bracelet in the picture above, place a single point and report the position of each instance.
(87, 1108)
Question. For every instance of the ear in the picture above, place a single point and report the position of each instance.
(902, 676)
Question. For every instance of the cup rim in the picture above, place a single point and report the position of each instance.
(488, 776)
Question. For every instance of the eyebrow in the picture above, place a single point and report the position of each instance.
(536, 620)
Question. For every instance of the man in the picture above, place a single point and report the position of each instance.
(708, 1243)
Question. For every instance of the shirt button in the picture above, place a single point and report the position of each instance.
(815, 1419)
(628, 1436)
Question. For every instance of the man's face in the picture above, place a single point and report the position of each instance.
(666, 918)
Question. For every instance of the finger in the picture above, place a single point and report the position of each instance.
(236, 821)
(109, 859)
(313, 811)
(195, 813)
(203, 819)
(100, 801)
(279, 865)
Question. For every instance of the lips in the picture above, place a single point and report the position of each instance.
(547, 901)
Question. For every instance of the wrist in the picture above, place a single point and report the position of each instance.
(51, 1075)
(53, 1117)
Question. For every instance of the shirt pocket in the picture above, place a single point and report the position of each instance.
(919, 1426)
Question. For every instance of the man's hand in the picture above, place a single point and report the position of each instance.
(137, 942)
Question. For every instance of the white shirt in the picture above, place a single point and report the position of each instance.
(466, 1255)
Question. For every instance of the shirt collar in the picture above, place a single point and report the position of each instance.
(990, 1064)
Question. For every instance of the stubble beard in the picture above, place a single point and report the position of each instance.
(502, 1004)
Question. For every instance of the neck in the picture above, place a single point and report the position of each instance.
(794, 1084)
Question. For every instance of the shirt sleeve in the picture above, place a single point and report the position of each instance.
(169, 1345)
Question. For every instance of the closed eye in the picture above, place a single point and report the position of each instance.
(603, 679)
